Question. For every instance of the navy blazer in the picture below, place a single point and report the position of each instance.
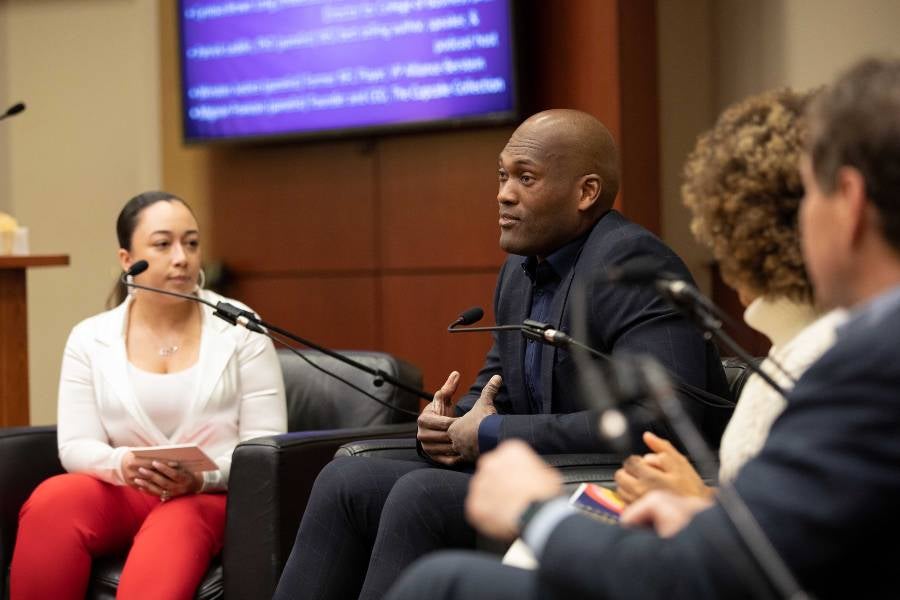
(621, 318)
(825, 489)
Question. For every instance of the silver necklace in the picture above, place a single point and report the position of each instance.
(168, 350)
(164, 349)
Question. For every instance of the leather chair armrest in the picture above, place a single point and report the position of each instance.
(575, 468)
(581, 468)
(28, 455)
(271, 479)
(399, 448)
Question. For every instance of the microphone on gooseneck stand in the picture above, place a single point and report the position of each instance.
(623, 380)
(775, 571)
(535, 330)
(467, 317)
(247, 319)
(13, 110)
(225, 311)
(612, 423)
(689, 301)
(547, 334)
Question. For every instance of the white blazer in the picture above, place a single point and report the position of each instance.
(239, 395)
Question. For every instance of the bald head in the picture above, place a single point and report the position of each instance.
(576, 143)
(558, 176)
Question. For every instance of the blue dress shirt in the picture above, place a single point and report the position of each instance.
(545, 276)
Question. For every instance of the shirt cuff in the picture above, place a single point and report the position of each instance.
(489, 433)
(538, 529)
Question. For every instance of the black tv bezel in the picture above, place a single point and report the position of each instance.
(366, 132)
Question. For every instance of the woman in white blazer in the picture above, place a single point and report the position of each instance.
(154, 371)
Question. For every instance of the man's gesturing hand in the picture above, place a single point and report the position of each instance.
(434, 422)
(464, 430)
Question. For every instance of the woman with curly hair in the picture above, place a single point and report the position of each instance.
(743, 186)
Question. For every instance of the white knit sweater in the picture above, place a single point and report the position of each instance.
(798, 340)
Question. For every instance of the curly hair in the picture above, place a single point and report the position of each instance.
(742, 184)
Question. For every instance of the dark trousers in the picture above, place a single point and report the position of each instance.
(469, 576)
(367, 520)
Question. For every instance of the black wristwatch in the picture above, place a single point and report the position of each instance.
(529, 512)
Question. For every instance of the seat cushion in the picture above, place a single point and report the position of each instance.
(316, 400)
(107, 571)
(737, 372)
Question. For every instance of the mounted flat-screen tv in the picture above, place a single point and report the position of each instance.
(322, 68)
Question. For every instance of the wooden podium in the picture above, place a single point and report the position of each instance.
(14, 334)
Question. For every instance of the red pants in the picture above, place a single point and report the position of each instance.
(71, 518)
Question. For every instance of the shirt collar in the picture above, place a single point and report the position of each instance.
(557, 263)
(873, 311)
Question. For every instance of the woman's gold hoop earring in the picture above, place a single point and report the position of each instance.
(202, 283)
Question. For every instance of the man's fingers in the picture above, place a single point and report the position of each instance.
(449, 387)
(438, 449)
(443, 398)
(432, 436)
(447, 461)
(638, 514)
(429, 420)
(491, 389)
(667, 513)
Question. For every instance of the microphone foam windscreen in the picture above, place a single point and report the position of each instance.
(138, 268)
(471, 315)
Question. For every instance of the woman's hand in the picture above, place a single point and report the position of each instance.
(663, 469)
(164, 479)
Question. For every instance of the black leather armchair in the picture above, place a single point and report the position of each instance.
(575, 468)
(270, 477)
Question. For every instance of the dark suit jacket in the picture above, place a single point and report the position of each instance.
(825, 489)
(621, 318)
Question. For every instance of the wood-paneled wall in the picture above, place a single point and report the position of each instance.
(381, 242)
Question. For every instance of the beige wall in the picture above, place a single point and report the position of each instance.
(686, 98)
(801, 43)
(4, 127)
(89, 72)
(714, 52)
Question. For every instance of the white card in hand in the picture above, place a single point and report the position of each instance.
(189, 456)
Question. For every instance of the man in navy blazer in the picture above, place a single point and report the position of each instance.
(824, 489)
(367, 519)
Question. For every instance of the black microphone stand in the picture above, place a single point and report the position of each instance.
(661, 390)
(547, 334)
(236, 316)
(748, 529)
(705, 315)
